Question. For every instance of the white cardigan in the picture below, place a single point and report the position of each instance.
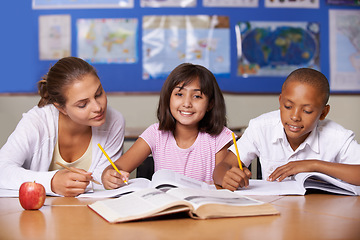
(28, 152)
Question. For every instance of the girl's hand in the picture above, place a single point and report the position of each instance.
(291, 169)
(70, 184)
(235, 178)
(111, 179)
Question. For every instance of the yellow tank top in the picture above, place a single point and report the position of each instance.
(83, 162)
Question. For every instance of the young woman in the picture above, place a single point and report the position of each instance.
(71, 118)
(191, 137)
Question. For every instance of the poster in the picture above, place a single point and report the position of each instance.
(344, 47)
(344, 2)
(61, 4)
(54, 37)
(111, 40)
(292, 3)
(230, 3)
(276, 48)
(171, 40)
(168, 3)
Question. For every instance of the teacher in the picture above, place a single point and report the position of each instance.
(71, 118)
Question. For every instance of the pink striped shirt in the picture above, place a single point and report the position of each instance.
(197, 161)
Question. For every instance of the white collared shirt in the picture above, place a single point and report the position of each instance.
(265, 138)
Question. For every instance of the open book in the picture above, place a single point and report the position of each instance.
(200, 204)
(299, 184)
(160, 179)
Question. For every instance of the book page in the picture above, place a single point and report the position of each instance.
(169, 179)
(9, 193)
(197, 197)
(141, 204)
(315, 180)
(264, 187)
(133, 185)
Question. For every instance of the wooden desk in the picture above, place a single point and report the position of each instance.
(314, 216)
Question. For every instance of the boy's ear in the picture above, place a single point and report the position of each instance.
(280, 99)
(61, 109)
(325, 112)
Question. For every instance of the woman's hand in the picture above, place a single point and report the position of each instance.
(70, 184)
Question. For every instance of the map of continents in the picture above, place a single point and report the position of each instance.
(277, 49)
(107, 40)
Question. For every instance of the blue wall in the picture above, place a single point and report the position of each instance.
(21, 68)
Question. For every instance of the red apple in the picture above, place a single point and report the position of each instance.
(32, 195)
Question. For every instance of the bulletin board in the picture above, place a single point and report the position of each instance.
(21, 66)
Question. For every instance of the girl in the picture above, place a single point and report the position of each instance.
(190, 138)
(72, 116)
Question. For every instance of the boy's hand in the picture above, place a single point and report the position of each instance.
(111, 179)
(292, 168)
(235, 178)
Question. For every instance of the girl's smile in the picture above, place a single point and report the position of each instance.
(188, 105)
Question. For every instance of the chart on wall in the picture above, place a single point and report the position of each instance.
(344, 49)
(292, 3)
(54, 36)
(107, 40)
(276, 48)
(171, 40)
(167, 3)
(231, 3)
(53, 4)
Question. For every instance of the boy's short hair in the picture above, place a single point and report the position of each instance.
(313, 78)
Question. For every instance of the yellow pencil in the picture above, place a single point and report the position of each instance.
(237, 151)
(113, 164)
(74, 170)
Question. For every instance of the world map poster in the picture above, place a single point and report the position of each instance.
(111, 40)
(174, 39)
(276, 48)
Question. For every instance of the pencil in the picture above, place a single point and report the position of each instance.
(237, 151)
(113, 164)
(75, 171)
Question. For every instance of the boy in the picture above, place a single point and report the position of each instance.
(294, 139)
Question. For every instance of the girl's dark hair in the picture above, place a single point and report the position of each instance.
(64, 73)
(214, 119)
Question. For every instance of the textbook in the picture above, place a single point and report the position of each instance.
(198, 203)
(299, 185)
(161, 179)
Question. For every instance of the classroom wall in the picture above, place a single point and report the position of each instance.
(140, 110)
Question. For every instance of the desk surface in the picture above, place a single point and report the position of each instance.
(314, 216)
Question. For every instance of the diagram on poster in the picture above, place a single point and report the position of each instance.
(54, 37)
(292, 3)
(344, 48)
(171, 40)
(167, 3)
(230, 3)
(61, 4)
